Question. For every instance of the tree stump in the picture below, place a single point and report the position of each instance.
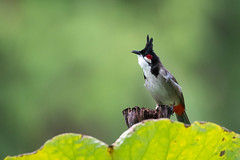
(136, 114)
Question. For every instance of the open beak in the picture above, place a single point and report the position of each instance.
(136, 52)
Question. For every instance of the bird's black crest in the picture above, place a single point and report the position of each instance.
(149, 45)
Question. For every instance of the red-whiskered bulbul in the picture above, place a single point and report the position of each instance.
(163, 87)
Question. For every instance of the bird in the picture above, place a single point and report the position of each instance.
(162, 85)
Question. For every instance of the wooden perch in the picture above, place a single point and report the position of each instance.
(137, 114)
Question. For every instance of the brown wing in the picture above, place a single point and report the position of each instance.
(169, 77)
(179, 91)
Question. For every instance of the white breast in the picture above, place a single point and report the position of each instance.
(160, 90)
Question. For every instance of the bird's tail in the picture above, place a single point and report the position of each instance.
(183, 118)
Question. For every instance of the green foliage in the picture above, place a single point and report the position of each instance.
(68, 147)
(152, 139)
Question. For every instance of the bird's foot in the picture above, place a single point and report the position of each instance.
(170, 110)
(165, 111)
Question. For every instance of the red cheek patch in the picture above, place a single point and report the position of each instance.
(179, 109)
(149, 56)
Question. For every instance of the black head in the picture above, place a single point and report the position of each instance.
(147, 53)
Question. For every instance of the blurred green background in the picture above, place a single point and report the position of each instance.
(66, 66)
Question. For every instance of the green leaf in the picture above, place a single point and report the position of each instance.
(69, 147)
(163, 139)
(152, 139)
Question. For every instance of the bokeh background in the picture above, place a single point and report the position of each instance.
(66, 66)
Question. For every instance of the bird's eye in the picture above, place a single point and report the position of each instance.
(149, 57)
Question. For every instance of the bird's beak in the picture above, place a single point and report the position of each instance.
(136, 52)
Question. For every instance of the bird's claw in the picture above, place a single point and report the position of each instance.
(170, 110)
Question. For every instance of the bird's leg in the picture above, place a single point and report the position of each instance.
(170, 110)
(165, 111)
